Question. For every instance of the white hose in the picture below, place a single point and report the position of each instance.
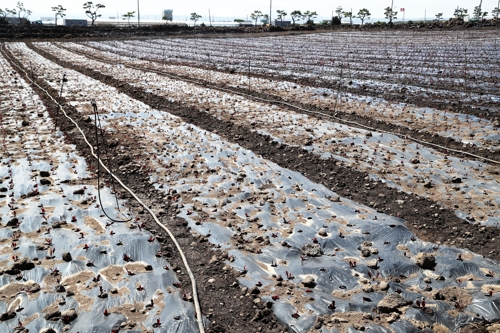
(173, 76)
(172, 237)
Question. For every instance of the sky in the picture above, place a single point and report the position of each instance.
(230, 9)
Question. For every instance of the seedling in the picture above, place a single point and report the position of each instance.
(157, 324)
(19, 325)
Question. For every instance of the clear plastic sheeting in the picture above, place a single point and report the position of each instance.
(461, 127)
(473, 186)
(310, 252)
(408, 65)
(73, 255)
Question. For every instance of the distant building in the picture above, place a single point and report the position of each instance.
(168, 14)
(47, 18)
(246, 24)
(279, 23)
(74, 22)
(15, 20)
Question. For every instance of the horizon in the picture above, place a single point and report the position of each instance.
(223, 10)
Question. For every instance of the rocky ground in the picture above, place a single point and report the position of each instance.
(231, 307)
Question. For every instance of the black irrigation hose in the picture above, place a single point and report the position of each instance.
(98, 121)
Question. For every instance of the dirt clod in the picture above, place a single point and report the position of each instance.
(392, 303)
(425, 260)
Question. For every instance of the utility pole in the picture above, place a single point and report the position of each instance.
(209, 17)
(392, 6)
(138, 15)
(270, 11)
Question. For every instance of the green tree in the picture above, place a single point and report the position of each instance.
(59, 11)
(364, 14)
(476, 14)
(128, 16)
(22, 11)
(461, 13)
(439, 16)
(239, 20)
(309, 16)
(3, 16)
(496, 12)
(349, 15)
(256, 15)
(91, 10)
(296, 16)
(390, 14)
(4, 13)
(195, 17)
(281, 15)
(339, 12)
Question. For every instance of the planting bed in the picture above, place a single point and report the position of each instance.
(463, 128)
(406, 165)
(63, 261)
(435, 67)
(288, 215)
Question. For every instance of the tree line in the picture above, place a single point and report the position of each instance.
(92, 11)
